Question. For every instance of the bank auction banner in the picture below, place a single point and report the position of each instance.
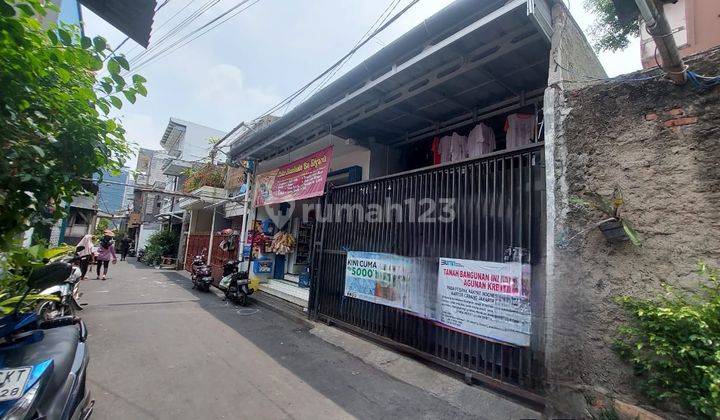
(303, 178)
(485, 298)
(386, 279)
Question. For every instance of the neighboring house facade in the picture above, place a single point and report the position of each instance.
(695, 25)
(81, 219)
(186, 145)
(146, 205)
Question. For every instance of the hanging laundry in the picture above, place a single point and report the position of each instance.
(444, 148)
(457, 147)
(520, 130)
(435, 148)
(480, 141)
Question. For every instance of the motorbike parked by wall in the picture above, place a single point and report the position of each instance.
(201, 273)
(43, 363)
(67, 292)
(235, 283)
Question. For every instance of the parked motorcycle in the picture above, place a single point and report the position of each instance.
(235, 284)
(201, 274)
(43, 364)
(67, 292)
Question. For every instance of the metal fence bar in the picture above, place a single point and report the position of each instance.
(495, 208)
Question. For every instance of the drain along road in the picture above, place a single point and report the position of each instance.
(161, 350)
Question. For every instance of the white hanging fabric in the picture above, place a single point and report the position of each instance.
(457, 147)
(480, 141)
(445, 149)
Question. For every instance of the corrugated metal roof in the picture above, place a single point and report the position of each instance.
(134, 18)
(464, 59)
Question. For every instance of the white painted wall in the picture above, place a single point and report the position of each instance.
(195, 144)
(146, 229)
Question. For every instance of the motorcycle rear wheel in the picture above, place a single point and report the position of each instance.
(50, 310)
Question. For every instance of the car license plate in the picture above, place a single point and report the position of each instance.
(12, 382)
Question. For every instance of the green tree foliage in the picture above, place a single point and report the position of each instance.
(17, 264)
(102, 224)
(673, 344)
(161, 244)
(208, 174)
(608, 33)
(54, 124)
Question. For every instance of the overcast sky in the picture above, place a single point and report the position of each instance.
(243, 67)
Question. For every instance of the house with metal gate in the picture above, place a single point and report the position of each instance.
(406, 200)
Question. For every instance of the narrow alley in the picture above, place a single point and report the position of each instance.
(161, 350)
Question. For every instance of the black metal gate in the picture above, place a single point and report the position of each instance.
(499, 205)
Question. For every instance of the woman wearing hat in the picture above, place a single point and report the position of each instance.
(105, 253)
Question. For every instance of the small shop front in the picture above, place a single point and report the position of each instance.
(286, 201)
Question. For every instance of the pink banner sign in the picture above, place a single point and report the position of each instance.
(303, 178)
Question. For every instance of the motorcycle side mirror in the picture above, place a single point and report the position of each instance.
(79, 248)
(49, 275)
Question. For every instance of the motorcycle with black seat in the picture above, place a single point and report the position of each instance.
(235, 283)
(67, 292)
(43, 363)
(201, 273)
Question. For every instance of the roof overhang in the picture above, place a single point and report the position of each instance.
(134, 18)
(472, 58)
(169, 215)
(205, 196)
(173, 133)
(176, 167)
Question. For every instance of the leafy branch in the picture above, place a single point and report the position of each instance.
(610, 207)
(673, 344)
(55, 129)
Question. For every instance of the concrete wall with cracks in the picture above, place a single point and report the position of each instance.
(659, 143)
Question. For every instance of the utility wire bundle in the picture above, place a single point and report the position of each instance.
(703, 82)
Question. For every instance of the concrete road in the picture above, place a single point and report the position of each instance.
(161, 350)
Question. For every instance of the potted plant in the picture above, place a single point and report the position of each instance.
(614, 227)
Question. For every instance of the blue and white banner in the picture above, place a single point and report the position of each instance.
(386, 279)
(483, 298)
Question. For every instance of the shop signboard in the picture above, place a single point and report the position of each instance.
(235, 178)
(485, 298)
(303, 178)
(386, 279)
(134, 219)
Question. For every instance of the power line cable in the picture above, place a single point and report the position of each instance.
(339, 62)
(127, 38)
(285, 102)
(182, 25)
(154, 30)
(197, 34)
(172, 33)
(380, 20)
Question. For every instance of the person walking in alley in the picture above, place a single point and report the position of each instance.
(105, 253)
(86, 241)
(124, 247)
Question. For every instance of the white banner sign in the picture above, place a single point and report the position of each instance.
(485, 298)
